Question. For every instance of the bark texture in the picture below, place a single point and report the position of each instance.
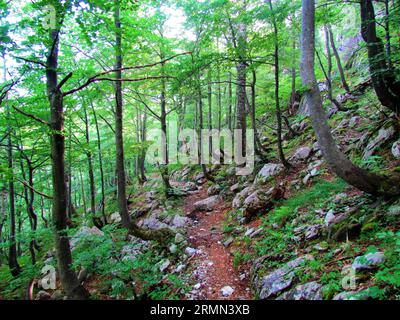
(338, 162)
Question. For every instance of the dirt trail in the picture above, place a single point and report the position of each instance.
(213, 263)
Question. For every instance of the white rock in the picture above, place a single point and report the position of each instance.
(249, 232)
(396, 149)
(164, 265)
(384, 135)
(227, 291)
(115, 218)
(207, 204)
(197, 286)
(269, 171)
(302, 153)
(173, 248)
(329, 218)
(190, 251)
(180, 268)
(180, 222)
(368, 261)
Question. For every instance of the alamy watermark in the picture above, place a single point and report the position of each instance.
(190, 146)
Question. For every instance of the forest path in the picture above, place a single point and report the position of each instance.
(212, 264)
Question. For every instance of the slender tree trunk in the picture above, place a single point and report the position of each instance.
(163, 120)
(257, 142)
(219, 99)
(241, 116)
(142, 158)
(383, 78)
(12, 249)
(200, 128)
(241, 122)
(293, 94)
(210, 118)
(71, 209)
(82, 183)
(92, 187)
(343, 167)
(338, 60)
(329, 71)
(277, 100)
(100, 155)
(387, 35)
(119, 142)
(12, 253)
(159, 235)
(43, 215)
(29, 197)
(230, 98)
(3, 218)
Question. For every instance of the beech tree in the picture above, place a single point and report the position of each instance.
(366, 181)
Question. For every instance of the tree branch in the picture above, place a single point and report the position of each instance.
(31, 116)
(96, 78)
(26, 184)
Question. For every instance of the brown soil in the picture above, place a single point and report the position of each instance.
(213, 267)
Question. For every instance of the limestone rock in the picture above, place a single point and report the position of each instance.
(302, 154)
(268, 172)
(227, 291)
(115, 218)
(189, 186)
(83, 233)
(207, 204)
(384, 135)
(153, 223)
(180, 222)
(307, 291)
(280, 279)
(368, 261)
(213, 190)
(241, 196)
(396, 149)
(261, 200)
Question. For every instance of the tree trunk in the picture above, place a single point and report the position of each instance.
(43, 215)
(119, 142)
(15, 269)
(160, 235)
(210, 118)
(163, 119)
(241, 122)
(337, 161)
(100, 155)
(387, 36)
(328, 73)
(293, 94)
(69, 279)
(257, 143)
(383, 78)
(142, 158)
(92, 188)
(200, 128)
(338, 60)
(3, 209)
(29, 197)
(230, 97)
(219, 100)
(277, 100)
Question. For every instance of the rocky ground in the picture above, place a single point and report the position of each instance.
(297, 233)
